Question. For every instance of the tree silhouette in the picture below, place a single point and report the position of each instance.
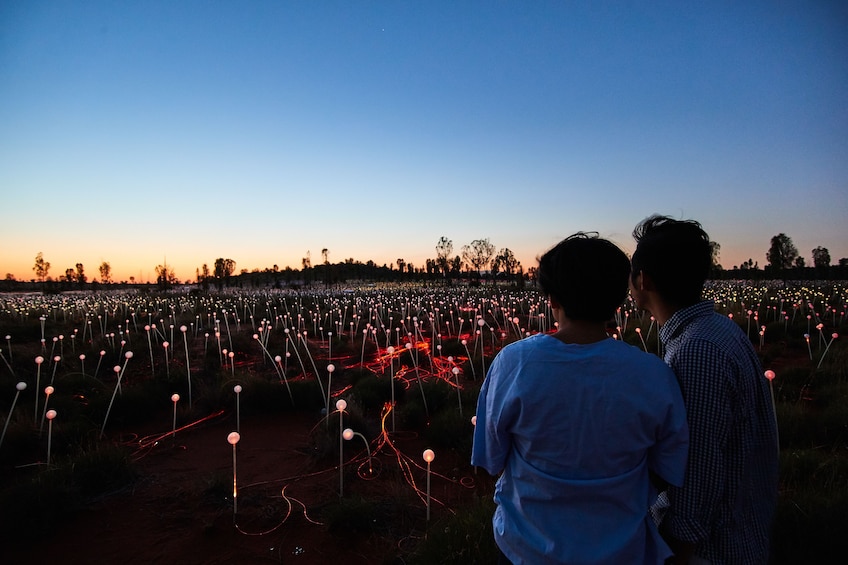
(80, 276)
(165, 276)
(224, 268)
(505, 262)
(41, 267)
(478, 254)
(443, 250)
(821, 257)
(105, 272)
(782, 253)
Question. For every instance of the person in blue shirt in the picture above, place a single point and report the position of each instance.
(723, 512)
(578, 424)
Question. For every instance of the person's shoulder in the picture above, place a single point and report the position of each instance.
(523, 346)
(633, 354)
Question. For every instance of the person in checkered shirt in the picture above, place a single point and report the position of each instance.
(723, 513)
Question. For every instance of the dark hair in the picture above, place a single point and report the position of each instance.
(676, 254)
(586, 275)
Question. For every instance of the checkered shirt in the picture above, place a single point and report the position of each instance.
(727, 502)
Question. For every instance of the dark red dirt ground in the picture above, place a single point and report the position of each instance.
(168, 515)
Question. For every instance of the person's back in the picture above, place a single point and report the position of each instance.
(723, 512)
(576, 422)
(730, 404)
(583, 421)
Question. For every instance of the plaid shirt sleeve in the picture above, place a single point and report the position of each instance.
(701, 369)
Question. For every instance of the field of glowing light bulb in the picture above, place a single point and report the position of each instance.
(291, 426)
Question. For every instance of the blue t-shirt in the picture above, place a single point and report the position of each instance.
(575, 429)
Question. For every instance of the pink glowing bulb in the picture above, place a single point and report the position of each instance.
(428, 455)
(473, 420)
(48, 390)
(175, 398)
(39, 360)
(769, 374)
(82, 356)
(183, 329)
(278, 358)
(834, 335)
(21, 386)
(51, 414)
(233, 438)
(347, 434)
(128, 355)
(341, 404)
(455, 370)
(117, 369)
(237, 389)
(390, 350)
(331, 368)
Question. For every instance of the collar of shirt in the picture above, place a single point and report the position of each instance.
(682, 317)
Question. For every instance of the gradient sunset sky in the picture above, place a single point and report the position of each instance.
(142, 131)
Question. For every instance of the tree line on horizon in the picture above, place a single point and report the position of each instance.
(476, 262)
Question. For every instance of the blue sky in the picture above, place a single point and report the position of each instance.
(138, 132)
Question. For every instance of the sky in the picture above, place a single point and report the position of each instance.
(147, 132)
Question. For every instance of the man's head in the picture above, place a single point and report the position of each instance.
(587, 276)
(672, 257)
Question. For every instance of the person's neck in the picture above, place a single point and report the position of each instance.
(580, 332)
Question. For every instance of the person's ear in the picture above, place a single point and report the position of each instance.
(644, 282)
